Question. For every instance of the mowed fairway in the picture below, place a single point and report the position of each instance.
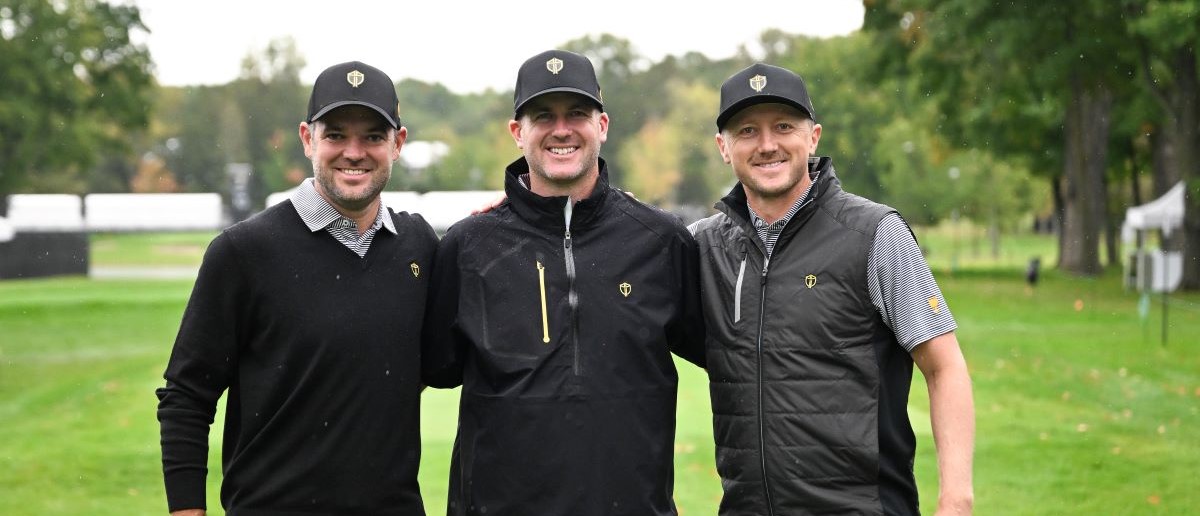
(1081, 410)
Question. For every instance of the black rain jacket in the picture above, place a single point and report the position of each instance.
(561, 337)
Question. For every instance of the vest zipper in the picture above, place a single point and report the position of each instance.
(542, 290)
(762, 443)
(572, 296)
(737, 293)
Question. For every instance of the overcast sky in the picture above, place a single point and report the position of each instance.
(467, 46)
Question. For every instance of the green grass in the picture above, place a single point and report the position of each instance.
(149, 249)
(951, 246)
(1081, 410)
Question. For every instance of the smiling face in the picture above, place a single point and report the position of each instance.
(560, 135)
(352, 149)
(768, 146)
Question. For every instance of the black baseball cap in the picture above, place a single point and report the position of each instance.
(354, 83)
(761, 83)
(556, 70)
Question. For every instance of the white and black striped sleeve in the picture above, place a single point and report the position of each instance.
(902, 286)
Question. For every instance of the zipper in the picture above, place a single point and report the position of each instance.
(762, 443)
(542, 290)
(572, 296)
(737, 293)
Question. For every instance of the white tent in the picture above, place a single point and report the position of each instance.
(1155, 270)
(1164, 214)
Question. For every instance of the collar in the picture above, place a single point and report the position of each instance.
(735, 206)
(318, 214)
(548, 211)
(756, 221)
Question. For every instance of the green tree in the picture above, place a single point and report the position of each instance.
(270, 101)
(73, 83)
(673, 159)
(1165, 34)
(1036, 80)
(196, 150)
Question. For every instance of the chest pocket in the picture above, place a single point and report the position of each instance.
(729, 283)
(515, 300)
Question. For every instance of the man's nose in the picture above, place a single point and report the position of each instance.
(355, 149)
(767, 142)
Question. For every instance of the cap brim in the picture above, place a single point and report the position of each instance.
(730, 111)
(394, 123)
(562, 89)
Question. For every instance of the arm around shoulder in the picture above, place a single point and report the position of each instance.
(689, 341)
(441, 351)
(952, 416)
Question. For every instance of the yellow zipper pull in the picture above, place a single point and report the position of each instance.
(542, 288)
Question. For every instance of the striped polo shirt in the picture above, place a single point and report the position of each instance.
(318, 214)
(899, 281)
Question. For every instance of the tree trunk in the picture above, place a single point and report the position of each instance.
(1183, 129)
(1112, 229)
(1177, 151)
(1060, 214)
(1084, 196)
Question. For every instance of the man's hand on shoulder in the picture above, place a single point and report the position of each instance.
(490, 205)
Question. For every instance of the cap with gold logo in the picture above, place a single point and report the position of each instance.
(554, 71)
(761, 83)
(354, 83)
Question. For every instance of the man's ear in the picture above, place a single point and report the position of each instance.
(603, 127)
(721, 148)
(514, 128)
(401, 135)
(306, 136)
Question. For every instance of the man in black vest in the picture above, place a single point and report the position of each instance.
(557, 313)
(308, 317)
(817, 303)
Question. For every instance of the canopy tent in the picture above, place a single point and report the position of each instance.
(1164, 214)
(1154, 270)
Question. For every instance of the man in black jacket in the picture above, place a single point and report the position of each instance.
(308, 316)
(817, 303)
(557, 312)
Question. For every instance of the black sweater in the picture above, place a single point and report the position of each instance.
(319, 351)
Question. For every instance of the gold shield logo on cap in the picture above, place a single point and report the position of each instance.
(355, 78)
(555, 65)
(416, 269)
(757, 83)
(810, 280)
(626, 288)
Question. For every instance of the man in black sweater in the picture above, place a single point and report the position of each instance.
(557, 312)
(309, 316)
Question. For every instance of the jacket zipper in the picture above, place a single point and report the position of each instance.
(762, 443)
(572, 297)
(542, 290)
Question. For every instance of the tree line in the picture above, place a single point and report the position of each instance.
(1001, 112)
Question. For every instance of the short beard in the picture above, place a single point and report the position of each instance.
(345, 201)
